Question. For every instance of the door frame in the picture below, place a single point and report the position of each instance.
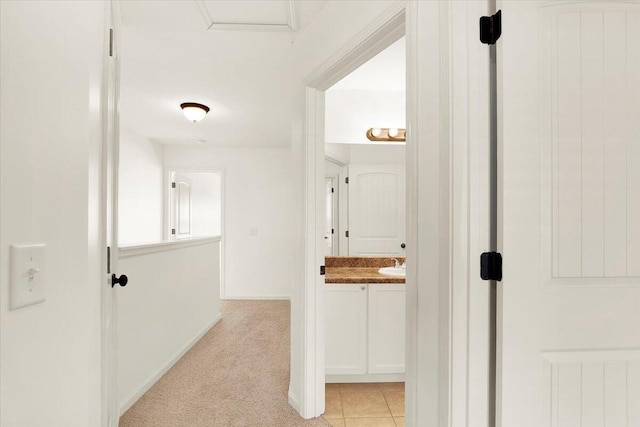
(437, 180)
(166, 229)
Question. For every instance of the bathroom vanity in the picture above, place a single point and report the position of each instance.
(364, 321)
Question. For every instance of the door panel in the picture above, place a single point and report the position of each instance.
(376, 210)
(387, 312)
(569, 308)
(345, 328)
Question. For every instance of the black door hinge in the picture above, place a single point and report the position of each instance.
(491, 28)
(346, 180)
(173, 231)
(110, 41)
(173, 185)
(332, 190)
(322, 270)
(491, 266)
(346, 233)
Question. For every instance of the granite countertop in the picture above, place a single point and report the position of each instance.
(345, 269)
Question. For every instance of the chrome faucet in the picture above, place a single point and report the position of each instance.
(397, 263)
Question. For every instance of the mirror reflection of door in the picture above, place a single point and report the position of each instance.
(331, 218)
(376, 210)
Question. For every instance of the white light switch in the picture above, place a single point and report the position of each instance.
(27, 275)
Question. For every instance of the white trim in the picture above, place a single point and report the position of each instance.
(128, 251)
(365, 378)
(384, 31)
(430, 168)
(153, 378)
(260, 298)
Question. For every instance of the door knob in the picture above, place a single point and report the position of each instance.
(402, 245)
(122, 280)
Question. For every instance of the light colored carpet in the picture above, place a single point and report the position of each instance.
(236, 375)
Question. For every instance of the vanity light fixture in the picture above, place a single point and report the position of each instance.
(194, 111)
(387, 134)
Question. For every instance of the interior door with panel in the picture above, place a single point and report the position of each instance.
(377, 206)
(181, 206)
(569, 140)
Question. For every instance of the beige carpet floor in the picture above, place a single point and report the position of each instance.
(236, 375)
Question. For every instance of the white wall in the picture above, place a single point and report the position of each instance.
(257, 195)
(51, 58)
(350, 113)
(206, 203)
(364, 154)
(140, 191)
(172, 299)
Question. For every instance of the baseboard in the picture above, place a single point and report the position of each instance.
(259, 298)
(153, 378)
(365, 378)
(294, 402)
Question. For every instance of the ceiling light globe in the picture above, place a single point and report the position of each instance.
(194, 112)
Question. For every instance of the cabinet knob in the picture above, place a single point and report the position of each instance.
(363, 287)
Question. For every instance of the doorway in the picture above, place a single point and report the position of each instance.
(429, 217)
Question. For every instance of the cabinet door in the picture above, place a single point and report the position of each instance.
(386, 328)
(345, 328)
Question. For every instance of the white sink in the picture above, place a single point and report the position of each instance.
(393, 271)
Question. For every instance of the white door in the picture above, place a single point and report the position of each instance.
(329, 231)
(110, 409)
(181, 207)
(569, 137)
(377, 210)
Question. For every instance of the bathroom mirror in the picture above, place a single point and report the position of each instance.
(366, 216)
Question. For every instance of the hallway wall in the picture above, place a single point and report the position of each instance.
(51, 59)
(140, 191)
(257, 198)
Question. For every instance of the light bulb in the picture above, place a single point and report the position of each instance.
(376, 132)
(393, 132)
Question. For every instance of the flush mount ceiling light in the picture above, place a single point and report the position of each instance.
(194, 111)
(387, 134)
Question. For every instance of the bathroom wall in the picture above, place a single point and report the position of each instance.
(257, 233)
(140, 191)
(350, 113)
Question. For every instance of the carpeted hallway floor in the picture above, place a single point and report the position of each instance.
(236, 375)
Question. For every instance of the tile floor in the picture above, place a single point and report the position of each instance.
(365, 405)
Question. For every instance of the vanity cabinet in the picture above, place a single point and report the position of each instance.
(386, 324)
(364, 329)
(345, 329)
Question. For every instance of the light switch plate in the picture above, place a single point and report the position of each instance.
(27, 275)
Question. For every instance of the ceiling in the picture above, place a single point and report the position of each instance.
(385, 71)
(233, 56)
